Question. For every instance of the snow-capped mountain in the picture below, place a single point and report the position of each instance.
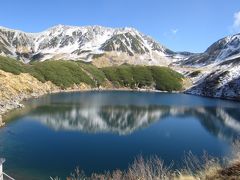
(85, 43)
(218, 69)
(224, 49)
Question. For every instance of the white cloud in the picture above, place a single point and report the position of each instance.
(174, 31)
(236, 23)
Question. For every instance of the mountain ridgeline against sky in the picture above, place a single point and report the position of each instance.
(217, 69)
(84, 43)
(213, 73)
(224, 49)
(91, 42)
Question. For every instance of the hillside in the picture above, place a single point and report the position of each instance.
(66, 74)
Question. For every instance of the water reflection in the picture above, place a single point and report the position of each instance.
(116, 119)
(109, 129)
(221, 122)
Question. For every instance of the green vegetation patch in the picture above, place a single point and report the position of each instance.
(67, 73)
(142, 76)
(160, 78)
(61, 73)
(166, 79)
(11, 65)
(95, 73)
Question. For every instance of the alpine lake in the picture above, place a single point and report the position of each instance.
(102, 131)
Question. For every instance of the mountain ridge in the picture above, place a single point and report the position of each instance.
(213, 73)
(82, 43)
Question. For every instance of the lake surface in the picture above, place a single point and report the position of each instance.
(100, 131)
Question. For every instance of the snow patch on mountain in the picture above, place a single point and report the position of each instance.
(82, 43)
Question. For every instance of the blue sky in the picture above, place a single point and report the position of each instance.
(190, 25)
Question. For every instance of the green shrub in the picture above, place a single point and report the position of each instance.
(66, 73)
(96, 74)
(166, 79)
(11, 65)
(142, 76)
(125, 75)
(111, 74)
(162, 78)
(62, 73)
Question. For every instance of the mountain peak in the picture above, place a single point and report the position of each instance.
(125, 45)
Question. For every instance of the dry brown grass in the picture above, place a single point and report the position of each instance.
(210, 168)
(230, 170)
(204, 168)
(12, 85)
(151, 169)
(200, 168)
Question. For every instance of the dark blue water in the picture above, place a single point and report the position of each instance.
(100, 131)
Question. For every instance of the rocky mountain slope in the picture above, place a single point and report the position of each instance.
(224, 49)
(85, 43)
(215, 73)
(222, 80)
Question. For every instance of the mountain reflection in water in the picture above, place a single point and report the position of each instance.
(123, 120)
(102, 131)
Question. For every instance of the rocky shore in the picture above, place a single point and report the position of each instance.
(16, 88)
